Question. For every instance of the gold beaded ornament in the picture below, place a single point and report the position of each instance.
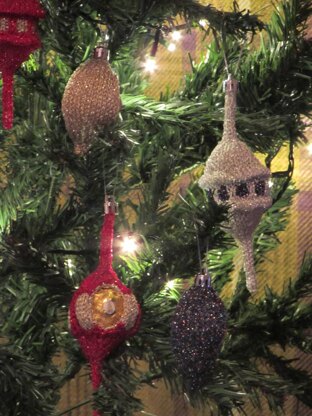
(91, 100)
(235, 177)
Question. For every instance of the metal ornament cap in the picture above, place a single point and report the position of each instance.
(101, 52)
(203, 280)
(110, 205)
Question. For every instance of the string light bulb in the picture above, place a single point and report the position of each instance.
(176, 35)
(309, 147)
(70, 266)
(203, 23)
(171, 284)
(150, 65)
(171, 47)
(129, 244)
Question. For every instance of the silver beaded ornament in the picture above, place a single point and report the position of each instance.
(235, 177)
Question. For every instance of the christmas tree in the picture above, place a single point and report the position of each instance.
(150, 158)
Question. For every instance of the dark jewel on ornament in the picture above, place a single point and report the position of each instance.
(260, 188)
(242, 190)
(197, 331)
(209, 193)
(223, 193)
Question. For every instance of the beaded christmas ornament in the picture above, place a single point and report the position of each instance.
(197, 331)
(103, 312)
(91, 100)
(235, 177)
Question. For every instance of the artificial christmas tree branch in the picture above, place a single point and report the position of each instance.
(77, 406)
(47, 248)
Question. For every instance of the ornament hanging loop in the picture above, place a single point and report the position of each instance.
(101, 52)
(230, 84)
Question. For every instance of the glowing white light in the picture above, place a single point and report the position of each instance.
(150, 65)
(170, 284)
(129, 245)
(207, 57)
(70, 266)
(176, 36)
(172, 47)
(203, 23)
(309, 147)
(270, 183)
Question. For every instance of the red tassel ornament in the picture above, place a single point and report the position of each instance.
(103, 311)
(18, 39)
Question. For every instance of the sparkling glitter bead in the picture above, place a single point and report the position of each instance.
(91, 101)
(109, 307)
(237, 178)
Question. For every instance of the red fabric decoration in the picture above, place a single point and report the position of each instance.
(18, 38)
(103, 311)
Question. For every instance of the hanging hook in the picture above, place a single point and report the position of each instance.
(198, 246)
(223, 41)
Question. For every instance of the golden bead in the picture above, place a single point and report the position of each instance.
(107, 306)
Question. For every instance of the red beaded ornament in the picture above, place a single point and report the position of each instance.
(18, 38)
(103, 311)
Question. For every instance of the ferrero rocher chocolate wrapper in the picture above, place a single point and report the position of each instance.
(91, 100)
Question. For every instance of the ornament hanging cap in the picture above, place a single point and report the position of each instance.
(203, 279)
(101, 51)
